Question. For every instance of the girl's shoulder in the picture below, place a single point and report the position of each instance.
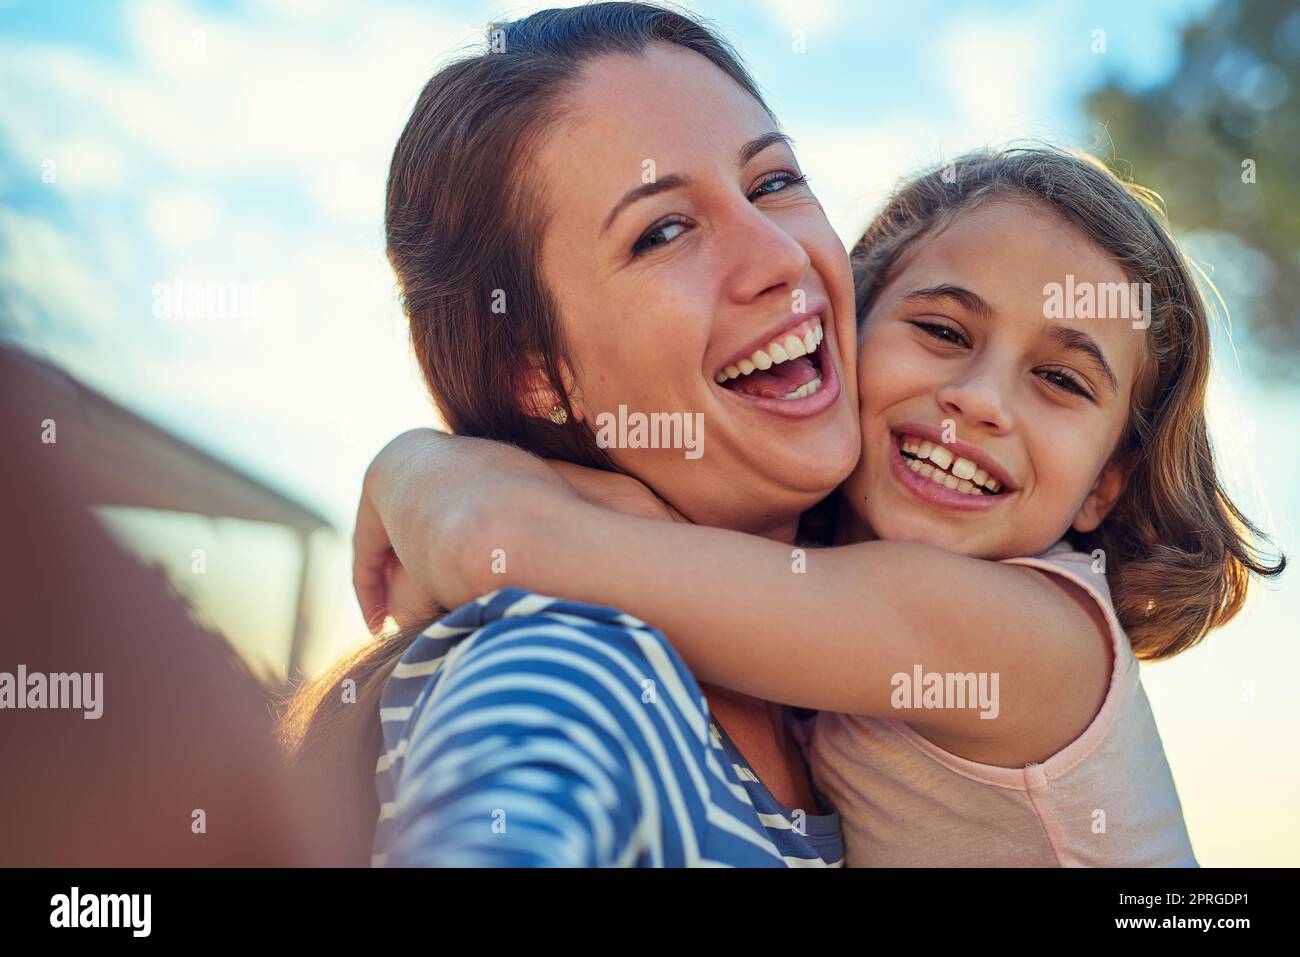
(1087, 572)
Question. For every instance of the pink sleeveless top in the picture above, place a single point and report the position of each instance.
(1105, 800)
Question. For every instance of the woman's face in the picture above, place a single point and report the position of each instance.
(679, 247)
(957, 361)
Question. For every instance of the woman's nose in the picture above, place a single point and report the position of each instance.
(765, 258)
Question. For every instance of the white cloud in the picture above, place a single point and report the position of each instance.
(808, 15)
(181, 217)
(41, 264)
(310, 101)
(212, 96)
(996, 71)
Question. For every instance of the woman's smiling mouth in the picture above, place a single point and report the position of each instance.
(791, 373)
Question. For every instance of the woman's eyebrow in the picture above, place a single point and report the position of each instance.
(672, 181)
(760, 143)
(676, 181)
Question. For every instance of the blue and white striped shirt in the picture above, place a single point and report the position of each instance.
(522, 730)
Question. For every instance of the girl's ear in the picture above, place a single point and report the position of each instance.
(1104, 494)
(536, 396)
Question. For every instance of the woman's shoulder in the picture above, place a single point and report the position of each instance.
(542, 701)
(510, 620)
(548, 649)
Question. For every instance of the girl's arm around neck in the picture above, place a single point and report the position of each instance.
(830, 630)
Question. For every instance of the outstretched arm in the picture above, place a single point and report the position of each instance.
(744, 615)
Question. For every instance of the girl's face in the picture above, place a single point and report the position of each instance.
(960, 371)
(680, 242)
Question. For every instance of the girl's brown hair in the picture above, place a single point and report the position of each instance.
(1178, 552)
(464, 226)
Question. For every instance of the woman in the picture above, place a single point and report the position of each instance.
(526, 200)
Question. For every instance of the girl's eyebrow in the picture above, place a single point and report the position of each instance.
(1066, 337)
(1076, 340)
(968, 300)
(675, 181)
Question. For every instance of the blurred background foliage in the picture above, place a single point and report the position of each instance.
(1232, 105)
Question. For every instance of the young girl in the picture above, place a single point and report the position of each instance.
(1036, 508)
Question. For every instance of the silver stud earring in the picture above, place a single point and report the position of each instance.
(559, 415)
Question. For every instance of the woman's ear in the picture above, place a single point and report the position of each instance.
(1104, 494)
(538, 398)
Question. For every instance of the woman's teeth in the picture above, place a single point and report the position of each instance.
(805, 390)
(791, 346)
(947, 470)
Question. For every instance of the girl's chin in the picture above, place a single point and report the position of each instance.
(897, 526)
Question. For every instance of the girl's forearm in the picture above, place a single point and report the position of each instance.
(826, 629)
(438, 495)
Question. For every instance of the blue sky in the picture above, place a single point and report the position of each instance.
(245, 144)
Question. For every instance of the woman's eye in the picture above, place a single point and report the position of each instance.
(667, 231)
(1065, 381)
(942, 333)
(659, 235)
(777, 182)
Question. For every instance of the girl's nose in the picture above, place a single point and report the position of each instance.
(978, 399)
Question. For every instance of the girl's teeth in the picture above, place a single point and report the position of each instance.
(778, 353)
(746, 367)
(965, 475)
(762, 361)
(809, 342)
(963, 469)
(794, 346)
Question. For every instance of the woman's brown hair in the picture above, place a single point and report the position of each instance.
(464, 226)
(1179, 554)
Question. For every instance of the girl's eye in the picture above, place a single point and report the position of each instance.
(1065, 381)
(941, 332)
(659, 235)
(777, 182)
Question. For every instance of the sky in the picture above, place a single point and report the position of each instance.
(152, 145)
